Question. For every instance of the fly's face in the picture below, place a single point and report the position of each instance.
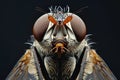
(59, 31)
(60, 51)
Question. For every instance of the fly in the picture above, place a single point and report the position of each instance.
(60, 51)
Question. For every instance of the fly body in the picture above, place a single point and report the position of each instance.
(60, 51)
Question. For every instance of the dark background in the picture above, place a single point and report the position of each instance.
(18, 17)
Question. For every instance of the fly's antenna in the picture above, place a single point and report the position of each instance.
(51, 9)
(58, 9)
(55, 9)
(67, 8)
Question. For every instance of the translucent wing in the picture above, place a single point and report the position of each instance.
(27, 68)
(93, 67)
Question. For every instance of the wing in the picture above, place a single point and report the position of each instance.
(93, 67)
(27, 68)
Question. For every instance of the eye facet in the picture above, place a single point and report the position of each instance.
(78, 27)
(40, 27)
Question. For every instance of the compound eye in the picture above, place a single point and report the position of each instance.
(40, 27)
(78, 27)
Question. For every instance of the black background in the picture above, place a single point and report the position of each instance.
(18, 16)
